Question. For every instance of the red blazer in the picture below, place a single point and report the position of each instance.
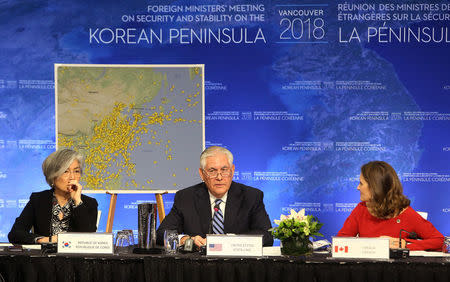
(362, 223)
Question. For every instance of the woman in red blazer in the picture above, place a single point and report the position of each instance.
(385, 211)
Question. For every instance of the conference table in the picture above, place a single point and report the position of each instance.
(33, 265)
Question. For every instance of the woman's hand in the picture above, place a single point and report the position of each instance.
(75, 191)
(46, 239)
(393, 242)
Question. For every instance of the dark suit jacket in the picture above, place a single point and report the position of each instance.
(38, 211)
(244, 213)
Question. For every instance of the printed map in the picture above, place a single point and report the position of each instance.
(139, 127)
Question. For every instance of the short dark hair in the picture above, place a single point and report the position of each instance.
(387, 192)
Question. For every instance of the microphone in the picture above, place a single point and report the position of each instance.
(216, 208)
(402, 252)
(412, 235)
(50, 233)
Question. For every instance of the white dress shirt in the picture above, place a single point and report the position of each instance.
(222, 205)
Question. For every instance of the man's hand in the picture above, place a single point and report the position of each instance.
(183, 239)
(199, 241)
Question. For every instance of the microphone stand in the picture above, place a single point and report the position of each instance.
(401, 252)
(210, 231)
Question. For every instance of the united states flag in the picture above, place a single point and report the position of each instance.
(215, 247)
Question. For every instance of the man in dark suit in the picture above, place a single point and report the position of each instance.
(242, 207)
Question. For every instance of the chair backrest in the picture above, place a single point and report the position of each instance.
(423, 214)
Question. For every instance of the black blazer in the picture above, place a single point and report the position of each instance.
(38, 211)
(245, 213)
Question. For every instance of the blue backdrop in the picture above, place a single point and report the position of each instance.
(303, 93)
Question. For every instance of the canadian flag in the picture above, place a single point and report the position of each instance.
(338, 249)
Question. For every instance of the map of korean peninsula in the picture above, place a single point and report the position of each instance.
(139, 127)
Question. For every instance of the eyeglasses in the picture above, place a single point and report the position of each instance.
(213, 173)
(67, 173)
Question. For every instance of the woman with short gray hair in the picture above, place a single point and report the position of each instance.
(60, 209)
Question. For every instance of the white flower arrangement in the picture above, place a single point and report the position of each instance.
(296, 226)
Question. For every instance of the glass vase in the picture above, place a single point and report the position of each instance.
(296, 247)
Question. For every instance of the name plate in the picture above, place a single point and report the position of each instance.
(86, 243)
(355, 247)
(234, 245)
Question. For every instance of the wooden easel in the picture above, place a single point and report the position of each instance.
(113, 201)
(111, 211)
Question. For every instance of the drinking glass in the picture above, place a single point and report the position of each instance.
(122, 241)
(130, 235)
(446, 245)
(171, 241)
